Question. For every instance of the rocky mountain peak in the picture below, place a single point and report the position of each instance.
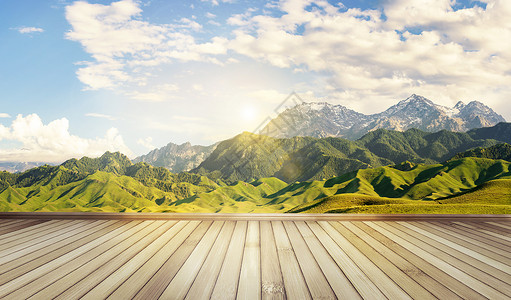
(460, 105)
(321, 119)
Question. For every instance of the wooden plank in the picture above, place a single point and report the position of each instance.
(226, 285)
(491, 227)
(32, 230)
(138, 279)
(418, 247)
(180, 284)
(365, 287)
(100, 244)
(253, 216)
(484, 239)
(106, 277)
(39, 243)
(249, 286)
(7, 222)
(104, 256)
(506, 225)
(19, 225)
(338, 281)
(294, 281)
(410, 286)
(50, 245)
(28, 239)
(499, 235)
(204, 283)
(316, 281)
(463, 247)
(157, 284)
(423, 272)
(471, 237)
(34, 260)
(469, 241)
(378, 277)
(272, 284)
(484, 273)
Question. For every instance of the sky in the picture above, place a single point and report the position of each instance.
(79, 78)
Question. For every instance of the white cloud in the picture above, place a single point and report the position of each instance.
(53, 142)
(365, 60)
(25, 30)
(217, 2)
(463, 53)
(210, 15)
(101, 116)
(125, 49)
(147, 143)
(4, 115)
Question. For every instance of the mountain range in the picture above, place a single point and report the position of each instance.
(327, 120)
(321, 119)
(112, 183)
(250, 156)
(434, 168)
(177, 158)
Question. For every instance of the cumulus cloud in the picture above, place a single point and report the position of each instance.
(147, 143)
(426, 46)
(25, 30)
(4, 115)
(367, 59)
(53, 142)
(124, 47)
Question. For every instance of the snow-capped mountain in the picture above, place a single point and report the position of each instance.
(177, 158)
(321, 119)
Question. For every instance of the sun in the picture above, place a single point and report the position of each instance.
(248, 113)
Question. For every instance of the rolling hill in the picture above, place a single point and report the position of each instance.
(465, 185)
(248, 156)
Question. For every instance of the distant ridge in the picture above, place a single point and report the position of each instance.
(177, 158)
(249, 156)
(321, 119)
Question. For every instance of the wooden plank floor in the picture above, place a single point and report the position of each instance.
(251, 257)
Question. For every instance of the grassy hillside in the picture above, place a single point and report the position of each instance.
(464, 185)
(500, 151)
(248, 156)
(403, 188)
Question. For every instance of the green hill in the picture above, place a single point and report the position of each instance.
(500, 132)
(403, 188)
(113, 184)
(500, 151)
(250, 156)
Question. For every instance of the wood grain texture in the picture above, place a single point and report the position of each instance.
(161, 279)
(138, 279)
(294, 281)
(204, 283)
(338, 281)
(226, 285)
(254, 256)
(249, 286)
(272, 284)
(415, 244)
(316, 281)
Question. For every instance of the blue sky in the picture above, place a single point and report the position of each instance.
(80, 78)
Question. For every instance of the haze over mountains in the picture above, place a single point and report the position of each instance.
(327, 120)
(177, 158)
(248, 156)
(324, 119)
(383, 171)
